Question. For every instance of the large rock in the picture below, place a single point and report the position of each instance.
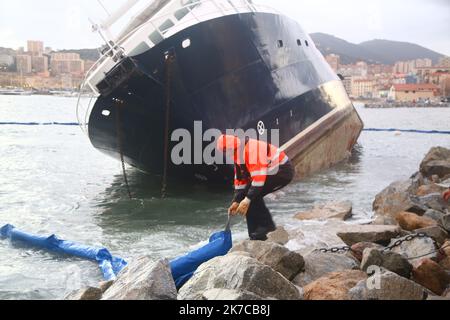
(387, 286)
(368, 233)
(389, 260)
(229, 295)
(445, 264)
(445, 222)
(319, 264)
(433, 201)
(242, 274)
(358, 249)
(334, 286)
(445, 248)
(334, 210)
(416, 249)
(397, 198)
(434, 214)
(428, 189)
(432, 276)
(143, 279)
(411, 221)
(436, 162)
(436, 232)
(89, 293)
(279, 236)
(279, 258)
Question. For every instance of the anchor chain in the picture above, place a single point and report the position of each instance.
(396, 244)
(168, 63)
(119, 104)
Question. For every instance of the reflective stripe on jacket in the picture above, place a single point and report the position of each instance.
(261, 160)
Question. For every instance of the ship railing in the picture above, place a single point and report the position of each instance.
(115, 51)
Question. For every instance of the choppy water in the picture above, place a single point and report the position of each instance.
(53, 181)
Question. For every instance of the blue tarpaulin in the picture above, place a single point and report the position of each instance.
(109, 265)
(184, 267)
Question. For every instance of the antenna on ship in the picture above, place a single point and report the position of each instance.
(104, 8)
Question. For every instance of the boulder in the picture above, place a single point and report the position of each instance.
(334, 286)
(434, 214)
(396, 198)
(279, 236)
(416, 249)
(447, 293)
(445, 222)
(433, 201)
(105, 285)
(391, 261)
(334, 210)
(383, 220)
(387, 286)
(411, 221)
(318, 264)
(428, 189)
(277, 257)
(432, 276)
(242, 274)
(436, 232)
(89, 293)
(358, 249)
(143, 279)
(436, 162)
(446, 248)
(368, 233)
(229, 295)
(445, 263)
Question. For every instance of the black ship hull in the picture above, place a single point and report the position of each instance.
(238, 71)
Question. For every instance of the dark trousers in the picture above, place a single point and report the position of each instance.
(259, 219)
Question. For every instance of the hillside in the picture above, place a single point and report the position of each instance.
(381, 51)
(392, 51)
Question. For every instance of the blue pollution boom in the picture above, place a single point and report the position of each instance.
(109, 265)
(184, 267)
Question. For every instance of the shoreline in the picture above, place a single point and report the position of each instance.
(406, 249)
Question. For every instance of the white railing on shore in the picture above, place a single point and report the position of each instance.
(115, 48)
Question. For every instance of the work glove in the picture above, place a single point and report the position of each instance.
(232, 211)
(243, 207)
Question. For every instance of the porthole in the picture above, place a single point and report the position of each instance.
(307, 43)
(186, 43)
(280, 43)
(299, 42)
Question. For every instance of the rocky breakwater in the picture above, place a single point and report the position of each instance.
(404, 254)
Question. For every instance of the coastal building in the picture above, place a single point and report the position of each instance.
(6, 62)
(23, 64)
(348, 84)
(425, 73)
(362, 88)
(334, 61)
(444, 62)
(35, 48)
(66, 63)
(413, 92)
(39, 64)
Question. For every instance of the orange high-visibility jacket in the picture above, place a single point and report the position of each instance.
(260, 160)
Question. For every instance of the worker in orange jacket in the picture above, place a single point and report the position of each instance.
(261, 169)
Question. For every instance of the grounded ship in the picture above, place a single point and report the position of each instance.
(228, 63)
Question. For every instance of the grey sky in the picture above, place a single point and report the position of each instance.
(64, 23)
